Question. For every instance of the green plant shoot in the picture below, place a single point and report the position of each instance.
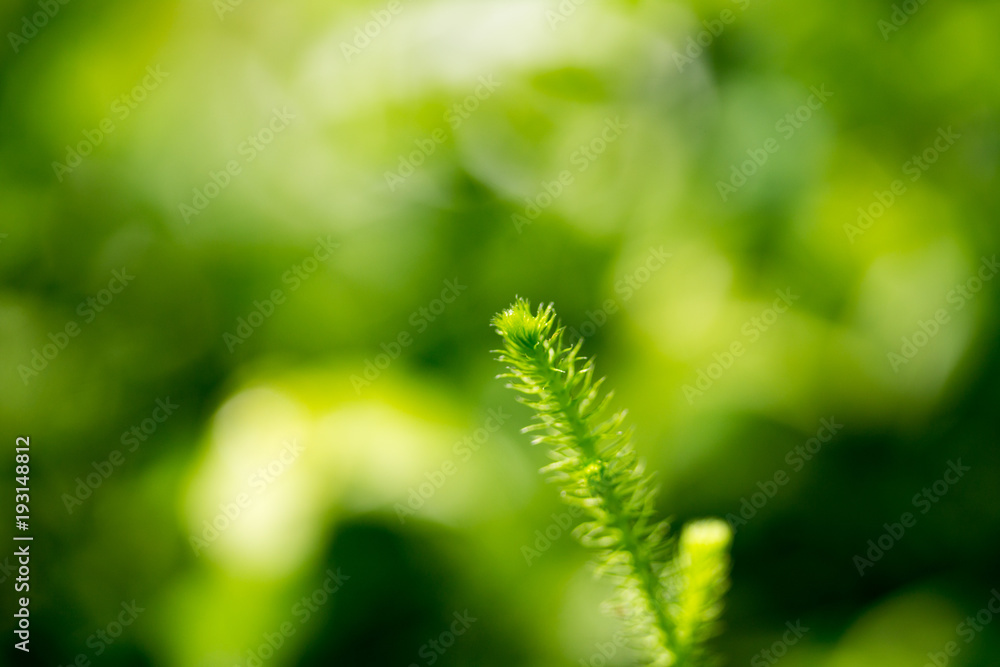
(669, 591)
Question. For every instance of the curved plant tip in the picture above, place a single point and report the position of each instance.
(669, 591)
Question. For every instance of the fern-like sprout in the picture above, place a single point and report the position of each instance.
(670, 594)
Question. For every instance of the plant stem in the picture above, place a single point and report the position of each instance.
(555, 385)
(605, 489)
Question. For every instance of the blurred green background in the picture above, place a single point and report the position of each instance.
(249, 252)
